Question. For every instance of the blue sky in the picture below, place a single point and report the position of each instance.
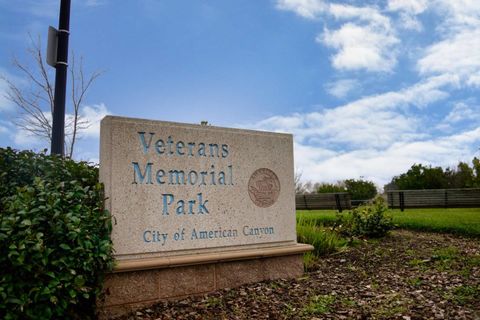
(368, 88)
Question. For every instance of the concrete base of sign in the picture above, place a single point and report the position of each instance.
(140, 283)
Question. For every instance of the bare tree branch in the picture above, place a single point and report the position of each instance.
(80, 86)
(35, 103)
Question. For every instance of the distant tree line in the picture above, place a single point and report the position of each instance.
(428, 177)
(417, 177)
(358, 189)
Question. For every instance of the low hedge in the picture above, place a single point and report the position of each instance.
(55, 242)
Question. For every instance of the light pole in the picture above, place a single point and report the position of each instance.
(61, 65)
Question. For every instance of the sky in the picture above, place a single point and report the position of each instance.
(367, 87)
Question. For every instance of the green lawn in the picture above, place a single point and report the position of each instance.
(454, 220)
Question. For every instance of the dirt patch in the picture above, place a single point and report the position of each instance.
(407, 275)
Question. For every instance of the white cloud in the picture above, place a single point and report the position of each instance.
(410, 22)
(342, 88)
(367, 41)
(419, 95)
(371, 164)
(381, 164)
(26, 140)
(370, 15)
(410, 6)
(309, 9)
(474, 80)
(361, 47)
(462, 111)
(458, 50)
(345, 127)
(376, 121)
(458, 54)
(86, 148)
(382, 135)
(375, 137)
(85, 151)
(93, 114)
(408, 11)
(459, 14)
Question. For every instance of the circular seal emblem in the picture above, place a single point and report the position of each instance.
(263, 187)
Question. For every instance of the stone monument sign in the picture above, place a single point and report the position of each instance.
(174, 187)
(185, 194)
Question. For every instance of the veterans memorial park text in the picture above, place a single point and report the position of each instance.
(152, 174)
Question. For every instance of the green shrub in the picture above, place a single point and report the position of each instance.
(54, 237)
(365, 221)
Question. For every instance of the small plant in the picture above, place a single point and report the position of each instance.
(415, 262)
(416, 281)
(288, 310)
(309, 261)
(465, 294)
(368, 221)
(214, 302)
(348, 302)
(319, 304)
(445, 254)
(473, 261)
(445, 258)
(322, 239)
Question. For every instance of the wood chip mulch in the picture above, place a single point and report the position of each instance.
(407, 275)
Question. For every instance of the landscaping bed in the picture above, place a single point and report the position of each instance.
(406, 275)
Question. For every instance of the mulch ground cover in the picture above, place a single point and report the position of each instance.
(407, 275)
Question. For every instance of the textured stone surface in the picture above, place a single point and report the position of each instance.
(282, 267)
(261, 214)
(180, 281)
(131, 286)
(227, 274)
(129, 291)
(253, 270)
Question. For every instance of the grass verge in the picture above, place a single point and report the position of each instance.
(462, 221)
